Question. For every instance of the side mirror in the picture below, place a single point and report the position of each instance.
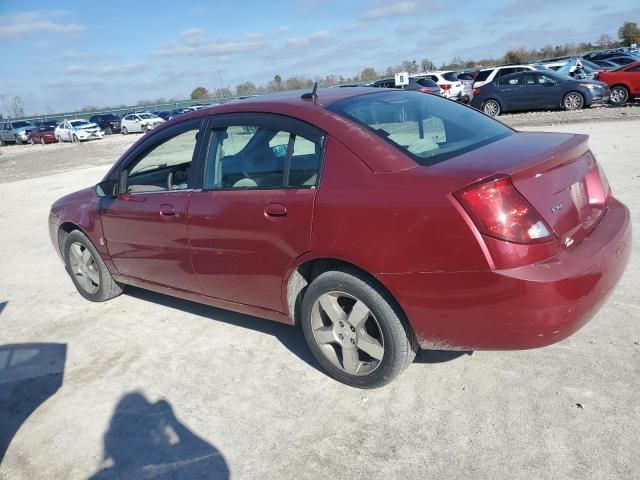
(106, 188)
(279, 151)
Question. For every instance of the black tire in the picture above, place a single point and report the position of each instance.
(59, 139)
(2, 142)
(18, 141)
(619, 95)
(145, 129)
(124, 130)
(491, 107)
(108, 288)
(108, 131)
(397, 338)
(573, 101)
(75, 139)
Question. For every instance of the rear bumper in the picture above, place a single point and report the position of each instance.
(519, 308)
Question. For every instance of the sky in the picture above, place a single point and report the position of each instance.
(60, 56)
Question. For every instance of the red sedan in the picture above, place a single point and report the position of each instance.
(379, 220)
(624, 82)
(43, 133)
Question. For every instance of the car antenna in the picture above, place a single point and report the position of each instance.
(313, 95)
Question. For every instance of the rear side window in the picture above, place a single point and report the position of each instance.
(427, 128)
(426, 82)
(483, 75)
(451, 76)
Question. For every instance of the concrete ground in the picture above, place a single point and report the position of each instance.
(147, 386)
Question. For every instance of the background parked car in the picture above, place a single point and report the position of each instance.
(44, 133)
(15, 131)
(77, 131)
(624, 82)
(108, 122)
(451, 85)
(424, 85)
(140, 122)
(536, 90)
(165, 115)
(488, 75)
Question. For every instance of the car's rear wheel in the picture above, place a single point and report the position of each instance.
(42, 142)
(354, 329)
(573, 101)
(87, 270)
(491, 108)
(75, 139)
(619, 95)
(18, 141)
(124, 130)
(108, 131)
(59, 138)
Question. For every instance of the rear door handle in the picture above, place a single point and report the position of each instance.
(275, 210)
(167, 210)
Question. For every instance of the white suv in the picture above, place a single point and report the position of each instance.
(451, 84)
(488, 75)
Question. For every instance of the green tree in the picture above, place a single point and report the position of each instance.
(246, 88)
(199, 93)
(368, 74)
(427, 65)
(629, 33)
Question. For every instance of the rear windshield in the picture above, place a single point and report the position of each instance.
(483, 75)
(451, 76)
(429, 129)
(426, 82)
(21, 124)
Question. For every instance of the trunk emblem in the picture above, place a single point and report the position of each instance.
(556, 208)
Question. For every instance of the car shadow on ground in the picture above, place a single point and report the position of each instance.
(291, 337)
(146, 440)
(30, 373)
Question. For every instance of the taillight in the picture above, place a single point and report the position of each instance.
(476, 91)
(425, 90)
(445, 86)
(500, 211)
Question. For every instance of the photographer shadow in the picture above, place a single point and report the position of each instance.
(146, 440)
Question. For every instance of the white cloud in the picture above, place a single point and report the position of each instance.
(314, 38)
(283, 29)
(26, 24)
(391, 10)
(210, 49)
(122, 69)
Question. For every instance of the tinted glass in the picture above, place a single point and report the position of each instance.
(22, 124)
(634, 69)
(483, 75)
(427, 128)
(426, 82)
(623, 60)
(78, 123)
(451, 76)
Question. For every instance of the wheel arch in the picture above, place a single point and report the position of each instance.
(495, 99)
(64, 229)
(306, 271)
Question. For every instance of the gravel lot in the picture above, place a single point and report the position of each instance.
(146, 386)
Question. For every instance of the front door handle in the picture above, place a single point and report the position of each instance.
(275, 210)
(167, 210)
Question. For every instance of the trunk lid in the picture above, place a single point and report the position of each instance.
(556, 173)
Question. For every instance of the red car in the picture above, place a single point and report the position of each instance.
(43, 133)
(378, 220)
(624, 82)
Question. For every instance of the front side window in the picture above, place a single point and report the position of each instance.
(165, 166)
(427, 128)
(258, 157)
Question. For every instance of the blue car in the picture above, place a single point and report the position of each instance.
(538, 90)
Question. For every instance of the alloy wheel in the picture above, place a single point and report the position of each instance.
(619, 95)
(347, 333)
(573, 101)
(491, 108)
(84, 268)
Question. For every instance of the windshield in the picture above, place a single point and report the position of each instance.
(427, 128)
(146, 116)
(78, 123)
(22, 124)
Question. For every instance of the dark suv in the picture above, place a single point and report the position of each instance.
(108, 122)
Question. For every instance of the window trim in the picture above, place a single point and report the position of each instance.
(271, 121)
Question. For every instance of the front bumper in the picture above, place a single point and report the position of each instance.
(519, 308)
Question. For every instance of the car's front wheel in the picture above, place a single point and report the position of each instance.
(354, 329)
(619, 95)
(573, 101)
(59, 138)
(87, 270)
(124, 130)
